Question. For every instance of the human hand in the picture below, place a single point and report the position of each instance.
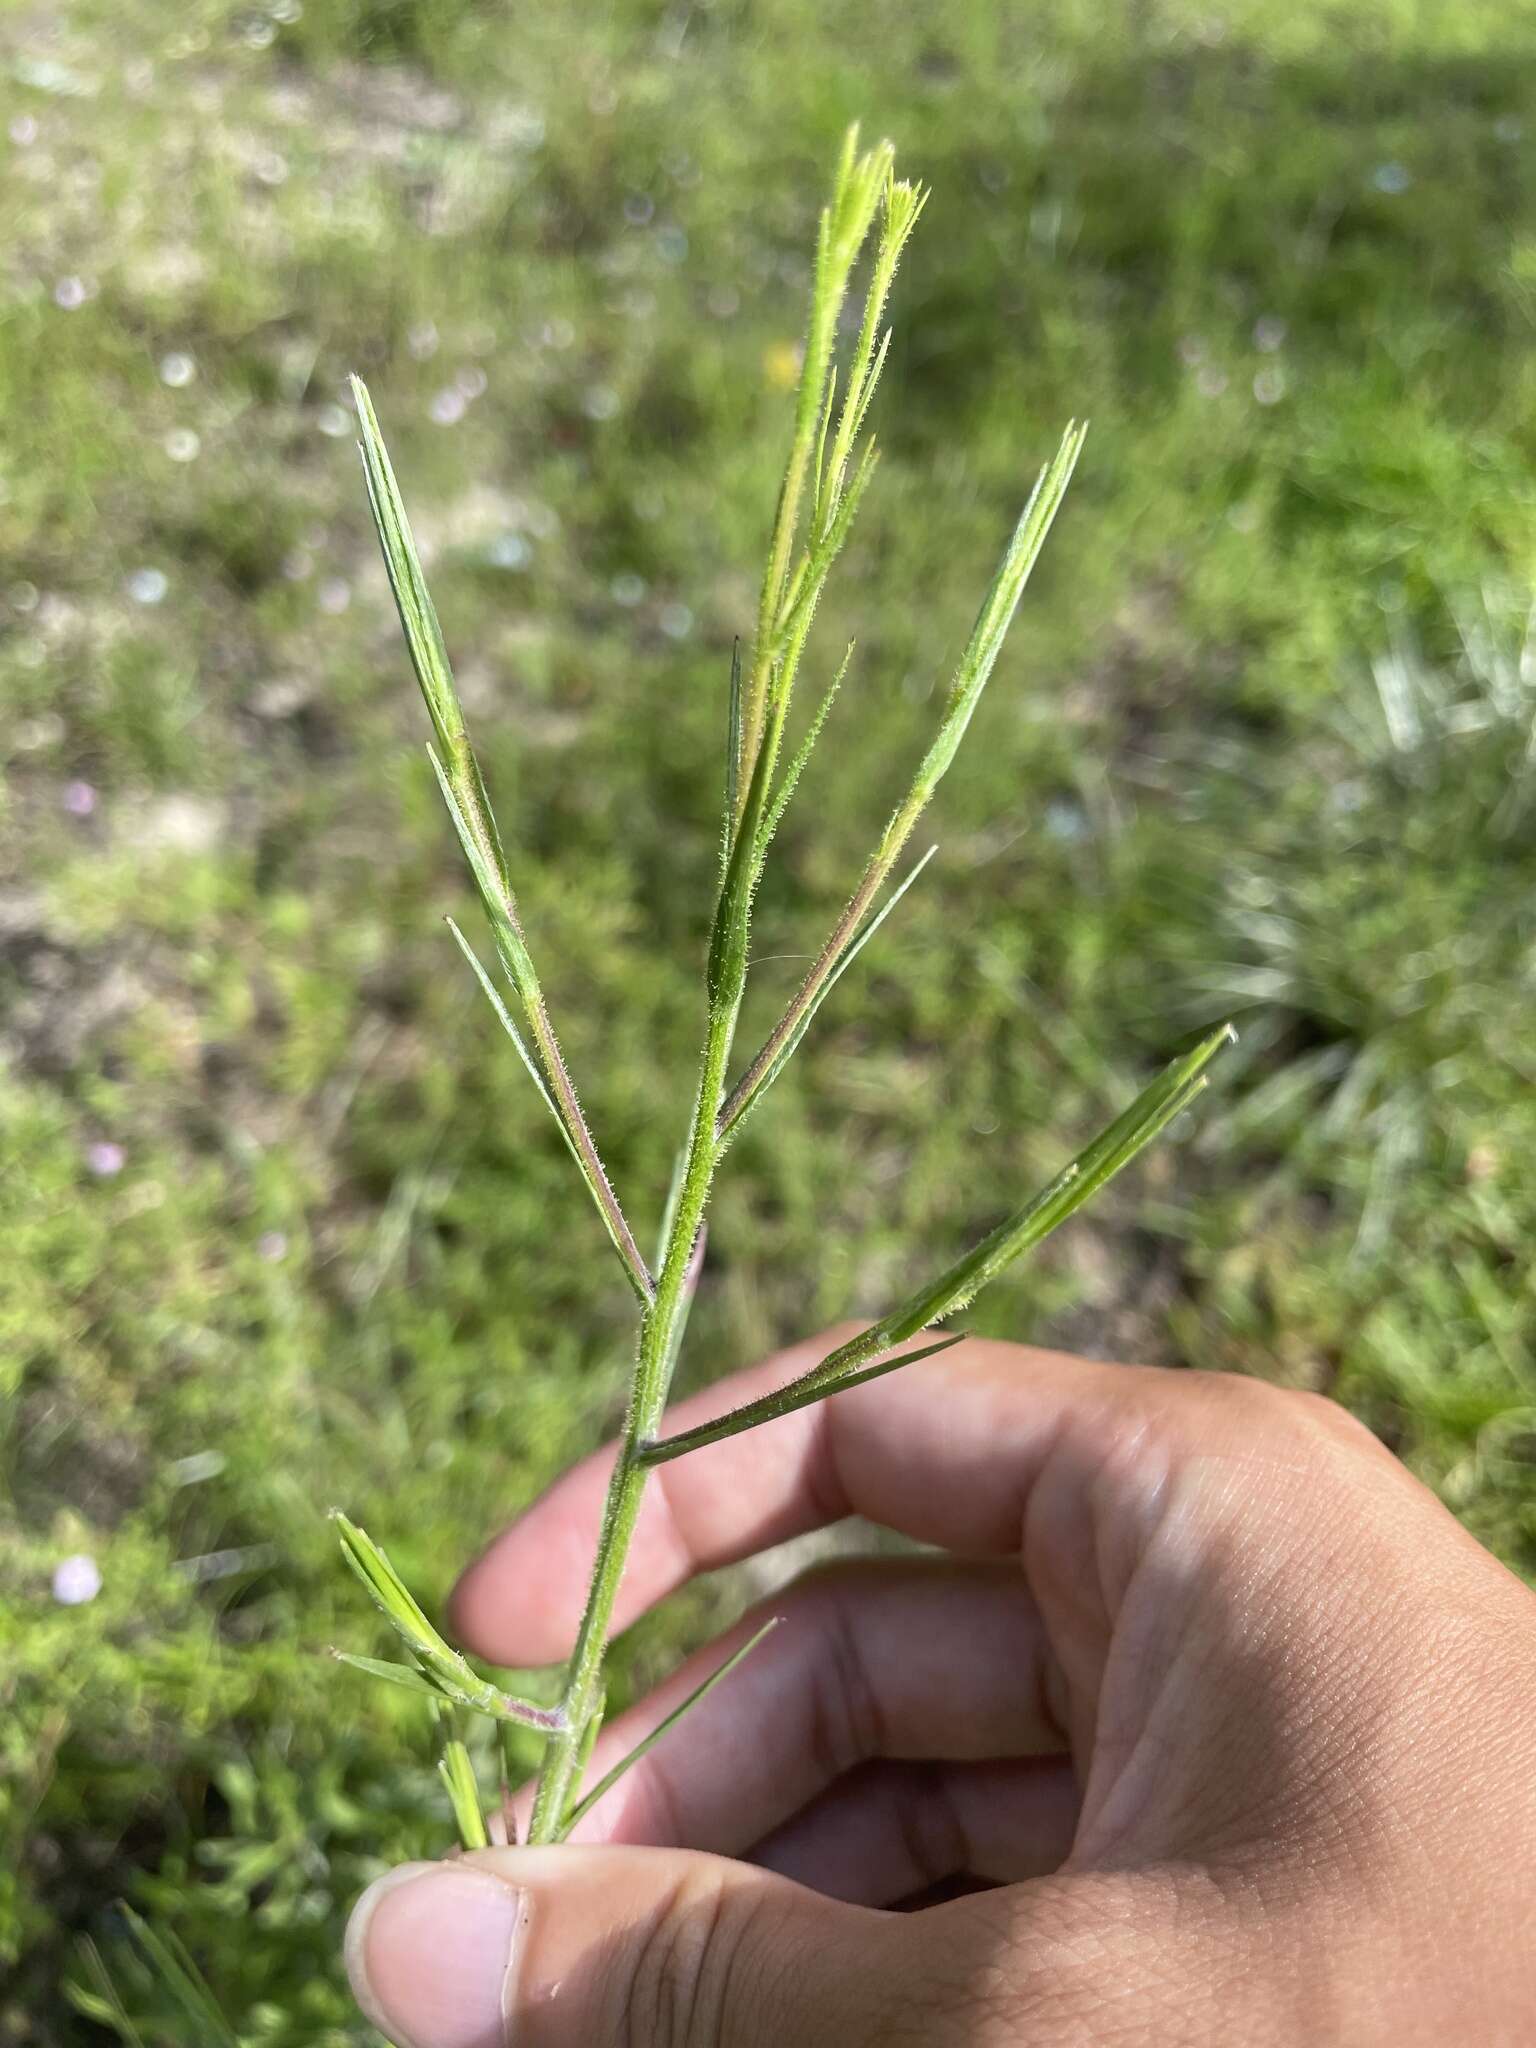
(1236, 1722)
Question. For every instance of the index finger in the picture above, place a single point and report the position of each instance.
(943, 1451)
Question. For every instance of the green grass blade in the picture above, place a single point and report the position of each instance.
(413, 600)
(405, 1675)
(464, 793)
(803, 752)
(996, 614)
(559, 1090)
(976, 665)
(798, 1394)
(453, 1676)
(1152, 1111)
(606, 1783)
(777, 1053)
(1156, 1107)
(168, 1958)
(100, 2000)
(639, 1277)
(458, 1775)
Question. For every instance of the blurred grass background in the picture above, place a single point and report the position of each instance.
(283, 1222)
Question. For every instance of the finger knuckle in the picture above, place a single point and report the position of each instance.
(692, 1969)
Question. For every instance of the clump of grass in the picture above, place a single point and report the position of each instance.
(832, 459)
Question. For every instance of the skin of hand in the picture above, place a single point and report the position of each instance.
(1233, 1721)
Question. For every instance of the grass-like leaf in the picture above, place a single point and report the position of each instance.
(1152, 1111)
(756, 1082)
(861, 183)
(831, 461)
(166, 1957)
(448, 1673)
(458, 1775)
(606, 1783)
(800, 1393)
(803, 752)
(971, 677)
(464, 793)
(613, 1221)
(100, 1999)
(405, 1675)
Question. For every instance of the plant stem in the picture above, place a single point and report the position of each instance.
(647, 1399)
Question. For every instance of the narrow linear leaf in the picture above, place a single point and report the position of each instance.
(803, 752)
(168, 1958)
(758, 1079)
(101, 2000)
(1152, 1111)
(404, 1675)
(493, 997)
(457, 1772)
(903, 203)
(818, 472)
(497, 902)
(997, 612)
(799, 1393)
(733, 745)
(871, 381)
(402, 563)
(464, 793)
(387, 1589)
(727, 965)
(801, 608)
(976, 665)
(606, 1784)
(843, 228)
(451, 1674)
(609, 1215)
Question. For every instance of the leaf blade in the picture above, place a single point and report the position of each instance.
(1152, 1111)
(606, 1783)
(757, 1080)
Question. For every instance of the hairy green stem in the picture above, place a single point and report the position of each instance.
(827, 472)
(648, 1397)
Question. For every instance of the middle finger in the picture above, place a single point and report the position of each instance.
(916, 1657)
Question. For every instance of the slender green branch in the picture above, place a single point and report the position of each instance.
(744, 1099)
(648, 1393)
(976, 665)
(860, 184)
(829, 466)
(800, 1393)
(438, 1667)
(606, 1783)
(463, 788)
(1152, 1111)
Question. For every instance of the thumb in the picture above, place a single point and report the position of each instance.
(571, 1947)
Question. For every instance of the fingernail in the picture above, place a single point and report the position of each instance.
(431, 1950)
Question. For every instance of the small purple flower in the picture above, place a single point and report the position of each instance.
(105, 1159)
(79, 799)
